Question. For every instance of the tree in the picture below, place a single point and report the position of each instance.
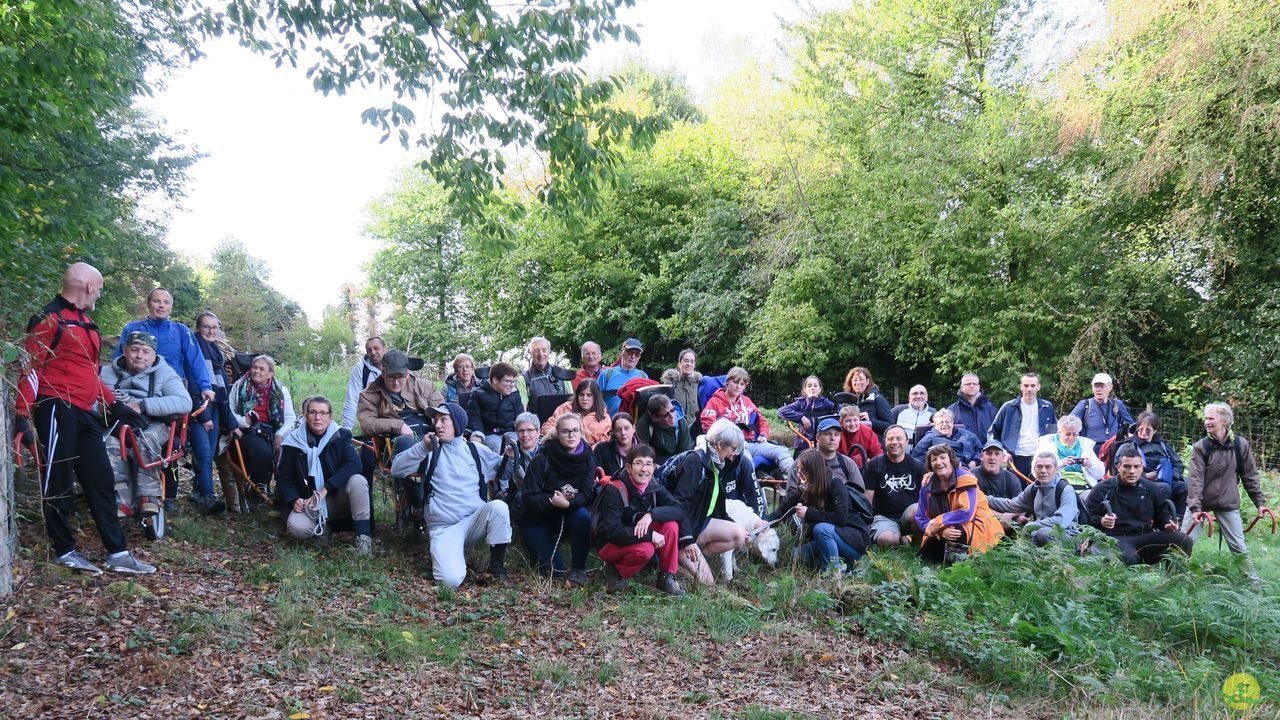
(254, 315)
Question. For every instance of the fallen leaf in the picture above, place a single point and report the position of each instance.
(9, 615)
(408, 636)
(299, 716)
(19, 646)
(162, 591)
(327, 688)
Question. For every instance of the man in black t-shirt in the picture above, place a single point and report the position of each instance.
(893, 486)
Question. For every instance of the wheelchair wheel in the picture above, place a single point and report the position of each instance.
(154, 526)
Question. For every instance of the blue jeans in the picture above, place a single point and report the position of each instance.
(204, 443)
(828, 545)
(540, 539)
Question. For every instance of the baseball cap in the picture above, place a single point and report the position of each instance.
(632, 344)
(993, 444)
(395, 362)
(138, 337)
(828, 423)
(1101, 379)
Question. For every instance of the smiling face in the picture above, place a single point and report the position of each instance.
(139, 357)
(159, 305)
(629, 359)
(941, 465)
(505, 386)
(688, 361)
(526, 436)
(919, 397)
(260, 372)
(944, 425)
(464, 370)
(895, 442)
(539, 353)
(641, 470)
(208, 327)
(850, 422)
(1145, 432)
(590, 355)
(859, 383)
(1067, 436)
(1044, 468)
(665, 417)
(374, 349)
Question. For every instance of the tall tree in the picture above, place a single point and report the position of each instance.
(254, 315)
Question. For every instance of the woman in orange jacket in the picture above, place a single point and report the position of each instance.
(952, 508)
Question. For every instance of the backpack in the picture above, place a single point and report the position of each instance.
(665, 473)
(428, 469)
(858, 503)
(1202, 448)
(595, 504)
(1082, 516)
(1164, 469)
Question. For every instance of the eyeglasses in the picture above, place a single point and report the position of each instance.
(668, 413)
(318, 413)
(210, 327)
(507, 381)
(569, 431)
(526, 431)
(641, 464)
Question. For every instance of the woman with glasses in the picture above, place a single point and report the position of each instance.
(557, 494)
(588, 403)
(263, 413)
(204, 430)
(638, 518)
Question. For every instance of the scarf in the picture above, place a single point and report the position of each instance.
(214, 358)
(568, 465)
(247, 399)
(1073, 474)
(300, 437)
(938, 492)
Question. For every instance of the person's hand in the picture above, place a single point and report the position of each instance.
(658, 541)
(1022, 518)
(1171, 526)
(237, 432)
(1108, 522)
(801, 510)
(804, 422)
(642, 525)
(135, 406)
(429, 440)
(559, 500)
(692, 553)
(1086, 462)
(865, 417)
(299, 505)
(406, 430)
(951, 533)
(252, 417)
(510, 451)
(208, 395)
(207, 424)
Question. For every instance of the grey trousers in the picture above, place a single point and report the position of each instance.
(350, 502)
(1229, 524)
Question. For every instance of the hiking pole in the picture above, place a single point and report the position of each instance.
(1267, 512)
(1203, 517)
(796, 431)
(1016, 471)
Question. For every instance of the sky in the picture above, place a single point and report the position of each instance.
(289, 172)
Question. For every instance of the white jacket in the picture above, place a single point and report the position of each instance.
(355, 385)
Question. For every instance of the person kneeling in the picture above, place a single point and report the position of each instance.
(557, 492)
(457, 475)
(1130, 509)
(319, 477)
(637, 518)
(952, 511)
(836, 535)
(1048, 503)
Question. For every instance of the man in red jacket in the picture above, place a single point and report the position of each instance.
(62, 394)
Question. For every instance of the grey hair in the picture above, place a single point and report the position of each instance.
(724, 432)
(1223, 411)
(316, 400)
(1069, 422)
(526, 417)
(537, 339)
(1051, 454)
(944, 413)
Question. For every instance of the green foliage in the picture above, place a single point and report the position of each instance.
(255, 316)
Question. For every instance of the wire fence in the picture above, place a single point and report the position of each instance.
(1182, 428)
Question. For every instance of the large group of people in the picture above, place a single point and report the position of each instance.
(601, 458)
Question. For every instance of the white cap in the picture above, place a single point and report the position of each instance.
(1102, 379)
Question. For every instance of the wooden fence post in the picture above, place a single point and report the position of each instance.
(8, 499)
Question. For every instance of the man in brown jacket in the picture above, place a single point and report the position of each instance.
(1219, 462)
(396, 405)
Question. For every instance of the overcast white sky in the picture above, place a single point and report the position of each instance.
(289, 172)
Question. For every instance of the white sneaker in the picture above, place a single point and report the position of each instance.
(125, 562)
(364, 545)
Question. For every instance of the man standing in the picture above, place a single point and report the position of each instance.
(458, 473)
(1102, 415)
(893, 487)
(612, 379)
(972, 409)
(1219, 462)
(918, 411)
(64, 396)
(1136, 513)
(542, 378)
(319, 477)
(1020, 422)
(366, 371)
(591, 367)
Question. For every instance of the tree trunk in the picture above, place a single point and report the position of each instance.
(8, 499)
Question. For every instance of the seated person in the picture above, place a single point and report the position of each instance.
(945, 432)
(857, 439)
(458, 473)
(833, 533)
(144, 381)
(952, 510)
(1159, 461)
(495, 407)
(319, 477)
(463, 378)
(873, 406)
(614, 377)
(395, 405)
(262, 412)
(659, 429)
(1048, 503)
(588, 404)
(702, 482)
(1077, 461)
(637, 523)
(918, 411)
(1136, 513)
(684, 380)
(842, 467)
(730, 402)
(543, 378)
(558, 490)
(612, 453)
(993, 477)
(806, 410)
(893, 487)
(527, 446)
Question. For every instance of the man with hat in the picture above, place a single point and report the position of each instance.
(612, 379)
(144, 381)
(457, 474)
(893, 487)
(993, 478)
(395, 405)
(63, 395)
(1102, 416)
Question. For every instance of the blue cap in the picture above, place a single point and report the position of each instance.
(828, 423)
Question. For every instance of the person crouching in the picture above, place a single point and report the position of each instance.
(633, 527)
(319, 477)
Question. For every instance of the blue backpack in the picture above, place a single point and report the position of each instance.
(1164, 470)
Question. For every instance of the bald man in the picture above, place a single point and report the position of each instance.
(64, 397)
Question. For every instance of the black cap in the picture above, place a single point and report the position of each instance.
(993, 443)
(395, 362)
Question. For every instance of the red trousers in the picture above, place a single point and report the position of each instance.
(629, 559)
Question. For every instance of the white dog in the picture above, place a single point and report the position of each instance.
(764, 546)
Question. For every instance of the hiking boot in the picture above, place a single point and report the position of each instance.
(210, 505)
(149, 507)
(577, 578)
(613, 581)
(667, 583)
(497, 572)
(125, 562)
(171, 506)
(364, 545)
(547, 572)
(74, 560)
(230, 492)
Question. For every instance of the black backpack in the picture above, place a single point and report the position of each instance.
(1082, 517)
(858, 501)
(428, 469)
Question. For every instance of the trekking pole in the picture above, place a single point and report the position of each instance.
(1014, 469)
(1206, 518)
(796, 431)
(1267, 512)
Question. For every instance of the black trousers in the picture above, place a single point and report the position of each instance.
(259, 458)
(1149, 548)
(72, 440)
